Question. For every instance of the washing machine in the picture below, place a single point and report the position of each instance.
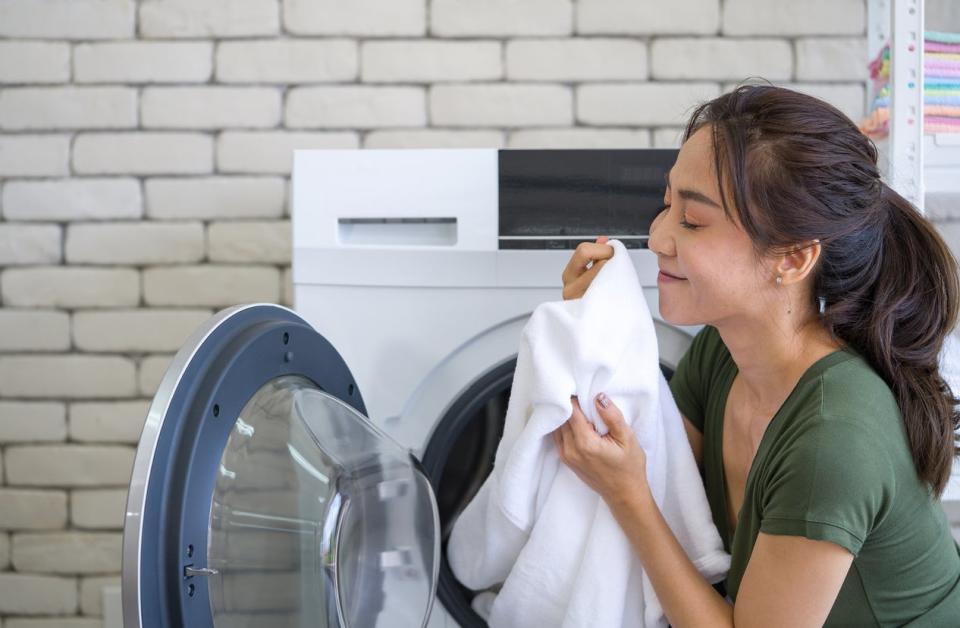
(304, 467)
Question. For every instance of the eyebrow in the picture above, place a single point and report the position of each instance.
(693, 195)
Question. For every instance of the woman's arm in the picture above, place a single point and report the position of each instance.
(789, 580)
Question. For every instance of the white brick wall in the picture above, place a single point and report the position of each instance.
(145, 155)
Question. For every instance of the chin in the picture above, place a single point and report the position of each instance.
(671, 316)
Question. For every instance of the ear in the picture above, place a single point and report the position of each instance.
(796, 263)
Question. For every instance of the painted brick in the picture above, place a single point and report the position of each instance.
(71, 376)
(70, 287)
(209, 198)
(500, 18)
(424, 61)
(358, 17)
(4, 550)
(500, 104)
(654, 104)
(136, 331)
(209, 18)
(669, 137)
(593, 59)
(250, 241)
(30, 594)
(32, 509)
(91, 593)
(831, 59)
(34, 61)
(107, 421)
(68, 466)
(34, 155)
(34, 330)
(579, 138)
(101, 509)
(786, 17)
(32, 421)
(72, 199)
(143, 153)
(67, 552)
(29, 244)
(213, 285)
(271, 152)
(53, 622)
(143, 62)
(356, 106)
(26, 108)
(713, 59)
(210, 107)
(152, 370)
(433, 138)
(135, 243)
(648, 17)
(67, 19)
(287, 61)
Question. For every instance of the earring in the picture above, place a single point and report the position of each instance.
(789, 305)
(823, 304)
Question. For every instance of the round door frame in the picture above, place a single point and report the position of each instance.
(206, 385)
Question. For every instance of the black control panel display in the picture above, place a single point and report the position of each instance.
(557, 198)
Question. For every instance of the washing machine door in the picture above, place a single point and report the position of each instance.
(262, 495)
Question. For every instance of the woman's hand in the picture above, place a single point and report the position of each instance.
(614, 465)
(578, 275)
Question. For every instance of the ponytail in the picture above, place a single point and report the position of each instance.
(899, 323)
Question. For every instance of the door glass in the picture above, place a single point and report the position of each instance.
(319, 519)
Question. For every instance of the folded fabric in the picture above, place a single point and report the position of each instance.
(935, 46)
(931, 112)
(877, 123)
(928, 101)
(535, 527)
(940, 36)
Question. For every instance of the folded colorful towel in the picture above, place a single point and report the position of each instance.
(928, 101)
(877, 123)
(935, 46)
(940, 36)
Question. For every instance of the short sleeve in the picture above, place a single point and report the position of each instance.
(689, 381)
(831, 483)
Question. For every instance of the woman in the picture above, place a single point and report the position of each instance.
(811, 398)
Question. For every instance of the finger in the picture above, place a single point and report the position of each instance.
(602, 239)
(585, 253)
(611, 415)
(582, 430)
(580, 285)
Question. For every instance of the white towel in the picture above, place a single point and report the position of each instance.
(534, 525)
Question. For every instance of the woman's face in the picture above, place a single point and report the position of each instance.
(693, 239)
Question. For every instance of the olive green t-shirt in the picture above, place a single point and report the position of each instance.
(833, 464)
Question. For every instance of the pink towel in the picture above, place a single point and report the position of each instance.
(935, 46)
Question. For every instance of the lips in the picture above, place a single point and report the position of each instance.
(671, 275)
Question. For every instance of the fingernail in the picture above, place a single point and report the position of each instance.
(602, 400)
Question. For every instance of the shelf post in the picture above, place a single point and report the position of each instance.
(906, 101)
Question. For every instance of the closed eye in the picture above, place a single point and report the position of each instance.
(683, 222)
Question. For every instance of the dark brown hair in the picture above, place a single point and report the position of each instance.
(798, 169)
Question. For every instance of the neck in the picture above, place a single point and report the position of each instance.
(770, 359)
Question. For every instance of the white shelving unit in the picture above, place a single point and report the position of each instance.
(924, 168)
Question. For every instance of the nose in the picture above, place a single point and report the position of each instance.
(660, 240)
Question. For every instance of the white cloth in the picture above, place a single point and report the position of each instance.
(534, 525)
